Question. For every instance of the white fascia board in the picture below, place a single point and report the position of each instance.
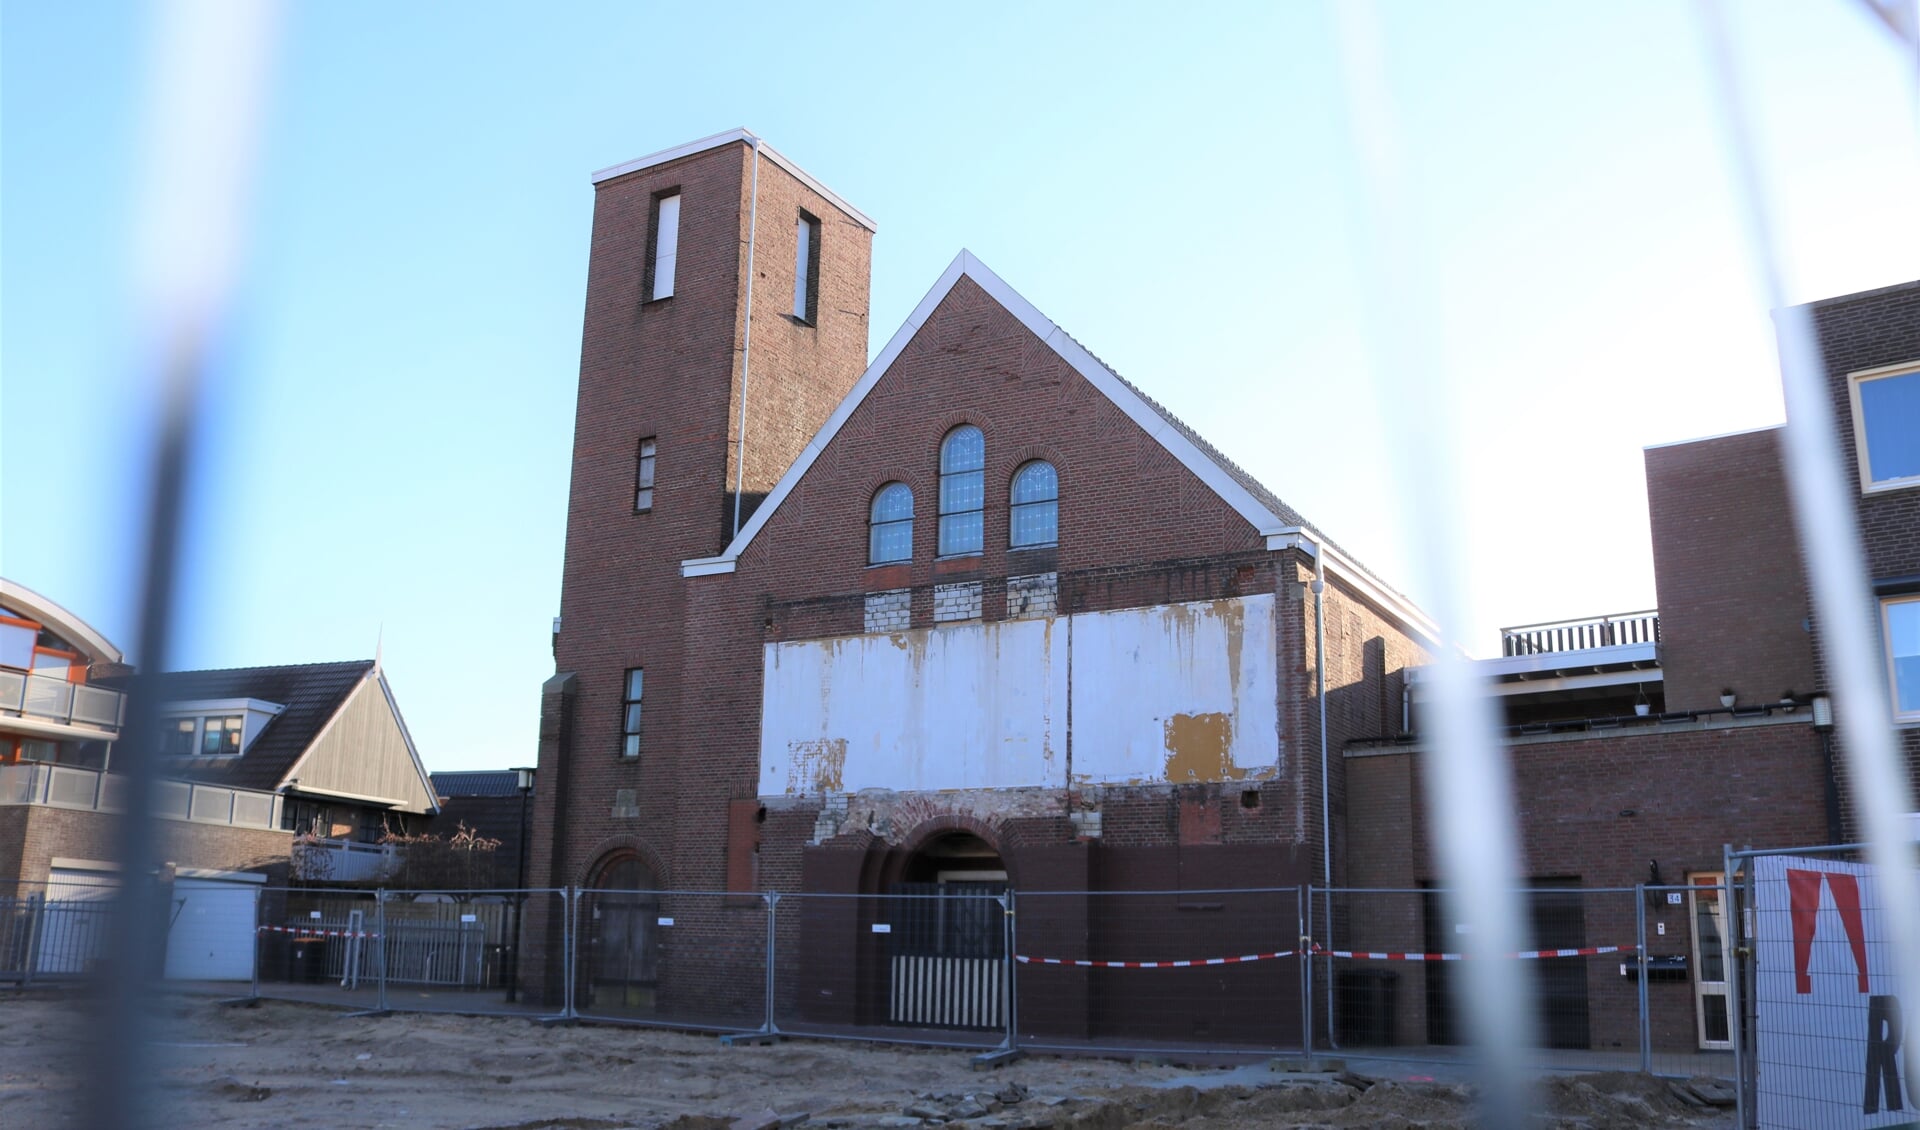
(1514, 666)
(747, 137)
(65, 624)
(221, 706)
(1622, 677)
(40, 728)
(224, 876)
(1348, 570)
(309, 790)
(702, 567)
(1716, 435)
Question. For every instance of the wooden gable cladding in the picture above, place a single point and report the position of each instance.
(364, 752)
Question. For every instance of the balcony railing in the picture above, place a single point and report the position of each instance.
(69, 786)
(342, 861)
(56, 700)
(1581, 635)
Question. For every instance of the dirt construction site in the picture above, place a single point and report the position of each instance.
(278, 1064)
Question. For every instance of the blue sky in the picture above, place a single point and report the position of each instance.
(389, 425)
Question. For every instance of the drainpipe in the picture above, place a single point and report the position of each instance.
(746, 343)
(1326, 820)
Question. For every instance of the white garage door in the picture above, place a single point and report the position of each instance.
(73, 924)
(211, 938)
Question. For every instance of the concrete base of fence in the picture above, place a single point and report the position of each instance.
(999, 1057)
(367, 1012)
(751, 1039)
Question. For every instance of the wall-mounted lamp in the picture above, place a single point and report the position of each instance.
(1822, 712)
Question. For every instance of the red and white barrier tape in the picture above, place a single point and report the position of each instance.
(1197, 962)
(1364, 955)
(1588, 951)
(305, 932)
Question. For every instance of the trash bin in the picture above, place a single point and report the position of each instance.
(1367, 999)
(307, 960)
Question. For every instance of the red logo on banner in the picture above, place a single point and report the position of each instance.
(1803, 897)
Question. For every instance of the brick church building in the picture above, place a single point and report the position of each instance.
(980, 614)
(978, 611)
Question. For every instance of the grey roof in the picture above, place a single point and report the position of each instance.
(1234, 470)
(311, 693)
(476, 782)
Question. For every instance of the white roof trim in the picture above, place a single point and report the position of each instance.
(64, 624)
(1267, 523)
(1716, 435)
(219, 705)
(1350, 571)
(729, 137)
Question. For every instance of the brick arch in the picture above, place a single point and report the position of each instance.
(951, 420)
(936, 826)
(612, 849)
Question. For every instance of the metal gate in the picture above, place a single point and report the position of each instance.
(946, 954)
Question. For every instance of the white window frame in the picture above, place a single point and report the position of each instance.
(1909, 717)
(806, 252)
(666, 243)
(1854, 381)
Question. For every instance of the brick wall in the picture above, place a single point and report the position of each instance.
(32, 836)
(672, 369)
(1597, 809)
(1867, 331)
(1733, 600)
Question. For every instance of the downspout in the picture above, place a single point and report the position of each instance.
(1326, 820)
(746, 342)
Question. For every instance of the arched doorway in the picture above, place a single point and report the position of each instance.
(622, 941)
(946, 951)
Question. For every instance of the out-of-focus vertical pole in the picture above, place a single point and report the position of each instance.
(209, 78)
(1471, 798)
(569, 938)
(1823, 496)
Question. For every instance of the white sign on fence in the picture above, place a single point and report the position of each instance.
(1832, 1046)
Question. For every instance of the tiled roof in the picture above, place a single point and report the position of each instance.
(311, 693)
(1233, 470)
(478, 782)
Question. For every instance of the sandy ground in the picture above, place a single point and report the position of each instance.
(290, 1065)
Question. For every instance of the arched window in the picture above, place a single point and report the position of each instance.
(963, 489)
(890, 525)
(1036, 505)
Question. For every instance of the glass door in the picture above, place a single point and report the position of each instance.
(1708, 911)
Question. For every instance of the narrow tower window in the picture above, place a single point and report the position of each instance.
(890, 525)
(1036, 505)
(630, 715)
(666, 244)
(643, 477)
(806, 269)
(963, 489)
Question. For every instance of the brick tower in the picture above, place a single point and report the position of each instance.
(726, 317)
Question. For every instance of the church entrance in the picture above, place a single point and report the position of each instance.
(946, 943)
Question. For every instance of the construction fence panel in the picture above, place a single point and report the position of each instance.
(682, 959)
(318, 946)
(481, 952)
(1820, 1018)
(1385, 978)
(928, 964)
(52, 932)
(1159, 971)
